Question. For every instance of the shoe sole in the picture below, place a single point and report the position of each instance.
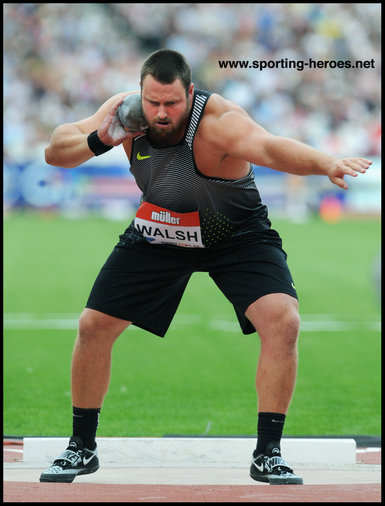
(65, 478)
(286, 481)
(290, 480)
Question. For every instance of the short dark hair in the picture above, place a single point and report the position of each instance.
(166, 65)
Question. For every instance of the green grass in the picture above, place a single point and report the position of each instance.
(200, 377)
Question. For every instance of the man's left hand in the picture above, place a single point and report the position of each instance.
(347, 166)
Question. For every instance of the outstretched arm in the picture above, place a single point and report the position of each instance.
(288, 155)
(241, 137)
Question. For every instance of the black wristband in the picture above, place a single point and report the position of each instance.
(96, 145)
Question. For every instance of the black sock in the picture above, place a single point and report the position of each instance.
(85, 423)
(270, 427)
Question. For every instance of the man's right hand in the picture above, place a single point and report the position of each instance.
(111, 132)
(69, 147)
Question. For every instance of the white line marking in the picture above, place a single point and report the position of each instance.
(309, 322)
(207, 428)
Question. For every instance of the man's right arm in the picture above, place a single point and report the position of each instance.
(69, 146)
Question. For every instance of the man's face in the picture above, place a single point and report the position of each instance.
(166, 109)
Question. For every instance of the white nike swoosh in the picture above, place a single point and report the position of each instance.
(85, 461)
(259, 467)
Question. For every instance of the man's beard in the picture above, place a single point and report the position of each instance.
(170, 136)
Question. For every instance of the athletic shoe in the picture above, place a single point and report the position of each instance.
(73, 461)
(271, 468)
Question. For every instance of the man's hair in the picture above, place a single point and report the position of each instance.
(166, 65)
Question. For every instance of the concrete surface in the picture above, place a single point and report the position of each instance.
(201, 452)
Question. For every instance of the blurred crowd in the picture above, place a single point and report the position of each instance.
(62, 61)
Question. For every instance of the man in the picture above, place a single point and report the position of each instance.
(200, 211)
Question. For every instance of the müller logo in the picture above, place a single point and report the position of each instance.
(165, 217)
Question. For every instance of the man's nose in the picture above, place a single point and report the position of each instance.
(162, 113)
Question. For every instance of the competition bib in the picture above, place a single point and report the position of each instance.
(161, 226)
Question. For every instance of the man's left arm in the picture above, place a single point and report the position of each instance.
(289, 155)
(243, 138)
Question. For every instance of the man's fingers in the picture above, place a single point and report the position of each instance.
(348, 167)
(359, 164)
(118, 103)
(339, 181)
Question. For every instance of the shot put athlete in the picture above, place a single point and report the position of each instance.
(200, 211)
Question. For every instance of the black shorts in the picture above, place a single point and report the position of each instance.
(143, 283)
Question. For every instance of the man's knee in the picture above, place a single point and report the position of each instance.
(290, 325)
(87, 326)
(94, 325)
(276, 316)
(284, 328)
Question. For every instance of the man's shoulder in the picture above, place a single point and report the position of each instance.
(220, 112)
(217, 106)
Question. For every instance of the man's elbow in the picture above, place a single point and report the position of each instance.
(48, 156)
(53, 160)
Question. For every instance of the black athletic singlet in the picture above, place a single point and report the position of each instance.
(182, 207)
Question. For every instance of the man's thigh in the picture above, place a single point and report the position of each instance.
(141, 284)
(250, 272)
